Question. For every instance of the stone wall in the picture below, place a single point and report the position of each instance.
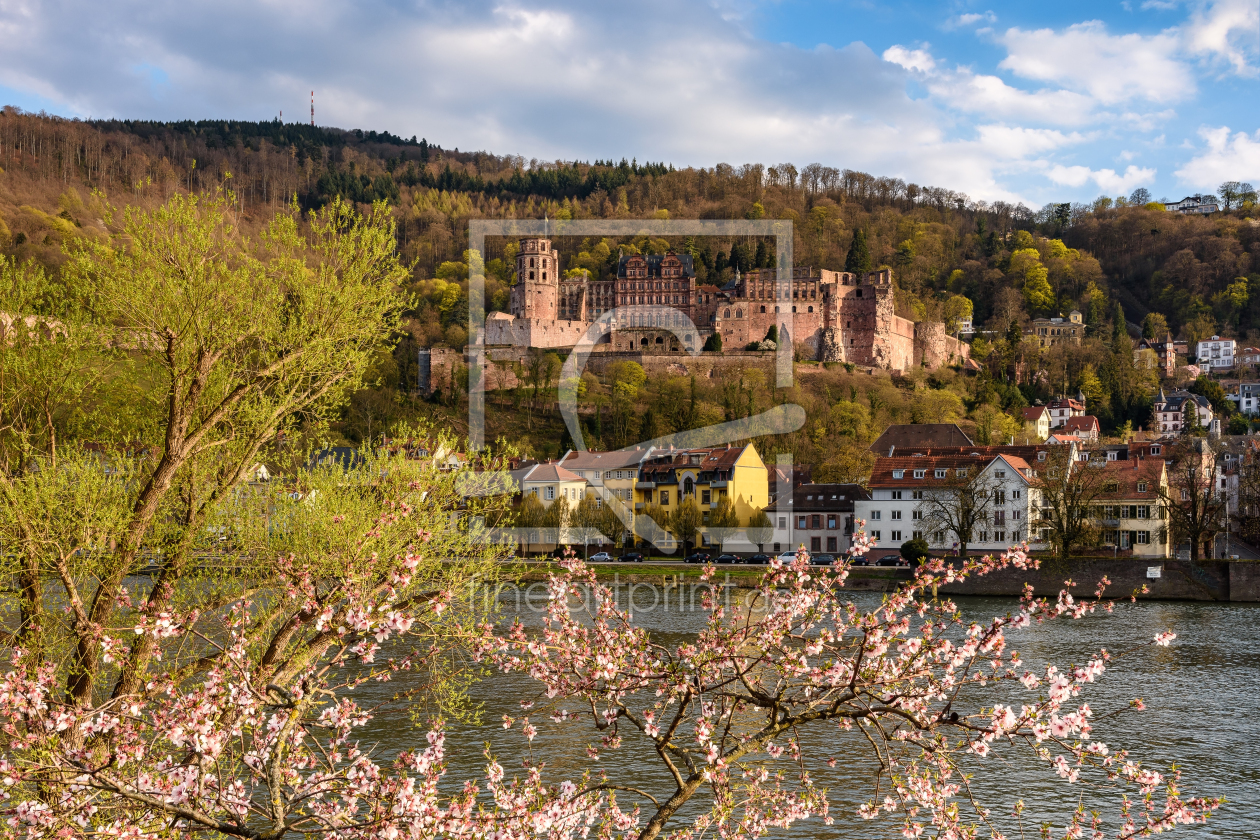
(1209, 580)
(934, 348)
(503, 329)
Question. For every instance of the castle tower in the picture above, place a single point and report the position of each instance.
(537, 280)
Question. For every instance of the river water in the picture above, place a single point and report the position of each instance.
(1201, 695)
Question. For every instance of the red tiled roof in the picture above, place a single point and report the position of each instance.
(882, 474)
(1033, 413)
(1085, 423)
(1128, 474)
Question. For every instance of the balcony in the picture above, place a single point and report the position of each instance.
(645, 485)
(719, 484)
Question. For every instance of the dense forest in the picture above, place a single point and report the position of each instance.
(1123, 261)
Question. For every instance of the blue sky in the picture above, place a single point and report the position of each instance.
(1030, 102)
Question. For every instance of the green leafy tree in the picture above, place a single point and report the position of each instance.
(1154, 326)
(219, 347)
(914, 551)
(685, 523)
(723, 521)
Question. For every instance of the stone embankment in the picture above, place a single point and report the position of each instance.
(1173, 580)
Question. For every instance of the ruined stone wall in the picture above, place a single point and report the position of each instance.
(528, 332)
(934, 348)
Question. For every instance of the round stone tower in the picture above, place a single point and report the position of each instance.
(537, 280)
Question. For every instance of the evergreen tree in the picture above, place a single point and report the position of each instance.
(772, 334)
(859, 259)
(1118, 328)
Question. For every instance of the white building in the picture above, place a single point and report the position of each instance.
(1216, 353)
(1194, 204)
(898, 486)
(1173, 413)
(1064, 408)
(1246, 395)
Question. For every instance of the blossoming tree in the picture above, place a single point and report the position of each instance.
(252, 750)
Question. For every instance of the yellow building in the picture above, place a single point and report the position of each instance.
(1037, 423)
(667, 477)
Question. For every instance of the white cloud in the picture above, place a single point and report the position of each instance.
(1228, 30)
(970, 20)
(917, 60)
(1226, 158)
(1106, 179)
(1111, 68)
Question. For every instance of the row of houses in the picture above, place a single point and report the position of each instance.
(777, 512)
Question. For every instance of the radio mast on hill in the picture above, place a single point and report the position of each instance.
(312, 108)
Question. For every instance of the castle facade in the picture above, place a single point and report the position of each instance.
(830, 316)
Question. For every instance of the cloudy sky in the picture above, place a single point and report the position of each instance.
(1025, 101)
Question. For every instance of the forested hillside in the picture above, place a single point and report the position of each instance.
(1120, 259)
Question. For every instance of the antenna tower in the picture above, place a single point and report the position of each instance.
(312, 108)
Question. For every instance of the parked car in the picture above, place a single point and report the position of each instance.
(861, 560)
(891, 560)
(602, 557)
(696, 557)
(632, 557)
(759, 559)
(727, 558)
(822, 560)
(787, 557)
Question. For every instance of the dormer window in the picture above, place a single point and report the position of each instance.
(1141, 487)
(899, 473)
(941, 473)
(920, 473)
(962, 473)
(1041, 456)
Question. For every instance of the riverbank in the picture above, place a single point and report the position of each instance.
(1171, 580)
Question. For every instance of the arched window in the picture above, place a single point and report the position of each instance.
(726, 313)
(763, 309)
(811, 309)
(689, 487)
(793, 308)
(739, 313)
(531, 275)
(531, 262)
(643, 342)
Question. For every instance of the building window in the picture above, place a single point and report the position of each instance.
(831, 543)
(1144, 537)
(899, 473)
(705, 496)
(896, 514)
(815, 544)
(916, 514)
(918, 535)
(896, 494)
(664, 497)
(549, 493)
(941, 473)
(916, 494)
(896, 536)
(831, 523)
(984, 536)
(800, 522)
(920, 473)
(875, 515)
(875, 535)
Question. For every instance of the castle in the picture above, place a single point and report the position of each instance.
(830, 316)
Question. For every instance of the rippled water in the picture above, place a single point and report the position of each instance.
(1201, 694)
